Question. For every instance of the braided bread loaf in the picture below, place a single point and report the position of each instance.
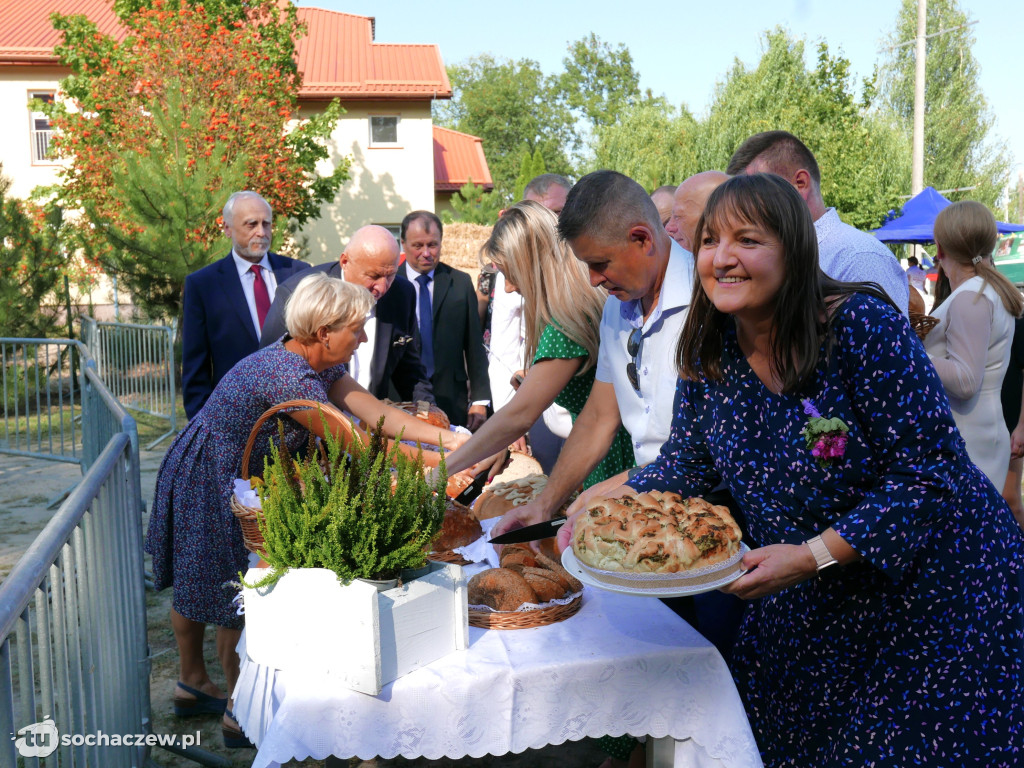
(654, 532)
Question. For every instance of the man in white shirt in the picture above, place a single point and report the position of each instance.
(844, 253)
(388, 363)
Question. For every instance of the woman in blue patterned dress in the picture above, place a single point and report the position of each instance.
(886, 626)
(194, 538)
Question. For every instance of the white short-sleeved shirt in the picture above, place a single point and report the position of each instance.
(647, 414)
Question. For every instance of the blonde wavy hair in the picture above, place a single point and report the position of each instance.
(555, 286)
(321, 300)
(966, 233)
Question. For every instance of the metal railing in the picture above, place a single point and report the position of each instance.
(73, 647)
(42, 407)
(137, 364)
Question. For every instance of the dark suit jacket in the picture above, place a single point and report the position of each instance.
(217, 330)
(395, 367)
(460, 361)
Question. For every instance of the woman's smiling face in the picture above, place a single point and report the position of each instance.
(741, 267)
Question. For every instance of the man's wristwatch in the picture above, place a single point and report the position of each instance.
(822, 557)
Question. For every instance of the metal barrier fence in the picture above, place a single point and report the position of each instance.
(42, 407)
(137, 364)
(73, 647)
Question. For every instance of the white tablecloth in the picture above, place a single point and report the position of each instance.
(621, 665)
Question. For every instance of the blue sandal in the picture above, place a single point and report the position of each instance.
(233, 736)
(202, 704)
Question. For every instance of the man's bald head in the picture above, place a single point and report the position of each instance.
(371, 259)
(662, 198)
(688, 204)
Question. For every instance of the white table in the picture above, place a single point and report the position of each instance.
(621, 665)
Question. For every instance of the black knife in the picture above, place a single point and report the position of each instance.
(543, 530)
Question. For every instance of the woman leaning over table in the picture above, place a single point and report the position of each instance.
(562, 312)
(194, 538)
(886, 627)
(975, 305)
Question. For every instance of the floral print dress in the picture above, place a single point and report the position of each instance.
(194, 538)
(913, 655)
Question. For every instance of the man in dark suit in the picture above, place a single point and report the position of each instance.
(226, 302)
(388, 364)
(446, 309)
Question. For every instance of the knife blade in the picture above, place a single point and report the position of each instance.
(529, 532)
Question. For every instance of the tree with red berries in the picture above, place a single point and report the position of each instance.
(160, 128)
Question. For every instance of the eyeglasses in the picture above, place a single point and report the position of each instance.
(633, 349)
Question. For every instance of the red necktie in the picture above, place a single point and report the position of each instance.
(260, 293)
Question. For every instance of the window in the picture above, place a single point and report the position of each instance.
(41, 130)
(383, 130)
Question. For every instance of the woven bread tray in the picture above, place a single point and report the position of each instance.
(248, 517)
(922, 324)
(448, 556)
(525, 619)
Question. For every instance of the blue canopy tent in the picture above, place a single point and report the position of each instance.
(917, 222)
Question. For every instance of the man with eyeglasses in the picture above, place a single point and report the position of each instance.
(612, 226)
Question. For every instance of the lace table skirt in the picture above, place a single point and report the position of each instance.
(621, 665)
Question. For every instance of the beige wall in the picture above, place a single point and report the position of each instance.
(15, 127)
(385, 183)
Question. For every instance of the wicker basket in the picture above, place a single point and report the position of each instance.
(248, 517)
(525, 619)
(922, 324)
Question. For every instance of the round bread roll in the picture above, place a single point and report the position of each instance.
(500, 589)
(458, 529)
(519, 465)
(500, 497)
(654, 532)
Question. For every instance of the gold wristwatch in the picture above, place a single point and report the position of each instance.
(822, 557)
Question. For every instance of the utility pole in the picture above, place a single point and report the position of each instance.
(917, 174)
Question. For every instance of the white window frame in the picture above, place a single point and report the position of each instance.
(396, 144)
(39, 138)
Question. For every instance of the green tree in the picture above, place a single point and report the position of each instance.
(475, 205)
(162, 127)
(959, 147)
(511, 106)
(599, 81)
(31, 267)
(864, 158)
(651, 142)
(530, 168)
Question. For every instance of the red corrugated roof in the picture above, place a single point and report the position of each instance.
(459, 157)
(337, 57)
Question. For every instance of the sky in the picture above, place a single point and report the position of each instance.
(682, 49)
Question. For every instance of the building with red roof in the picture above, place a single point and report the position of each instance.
(386, 90)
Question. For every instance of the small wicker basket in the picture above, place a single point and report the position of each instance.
(539, 617)
(922, 323)
(248, 517)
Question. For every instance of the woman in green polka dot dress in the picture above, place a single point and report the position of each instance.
(561, 314)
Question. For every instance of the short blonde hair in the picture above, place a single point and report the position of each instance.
(321, 300)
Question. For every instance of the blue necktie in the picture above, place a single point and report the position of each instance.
(426, 325)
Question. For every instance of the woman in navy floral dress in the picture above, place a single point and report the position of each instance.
(194, 538)
(909, 649)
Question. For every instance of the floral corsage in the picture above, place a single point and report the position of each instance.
(825, 437)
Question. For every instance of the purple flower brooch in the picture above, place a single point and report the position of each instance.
(826, 438)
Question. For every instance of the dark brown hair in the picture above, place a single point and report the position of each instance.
(801, 317)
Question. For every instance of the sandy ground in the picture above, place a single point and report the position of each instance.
(26, 487)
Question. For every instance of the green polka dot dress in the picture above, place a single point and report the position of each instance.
(555, 345)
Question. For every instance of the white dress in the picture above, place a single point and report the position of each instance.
(970, 347)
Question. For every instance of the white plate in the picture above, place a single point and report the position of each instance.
(572, 565)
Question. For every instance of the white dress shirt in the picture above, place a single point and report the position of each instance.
(647, 414)
(362, 359)
(248, 278)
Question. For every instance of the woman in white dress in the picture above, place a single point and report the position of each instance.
(970, 346)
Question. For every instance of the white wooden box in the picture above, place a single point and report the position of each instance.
(359, 637)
